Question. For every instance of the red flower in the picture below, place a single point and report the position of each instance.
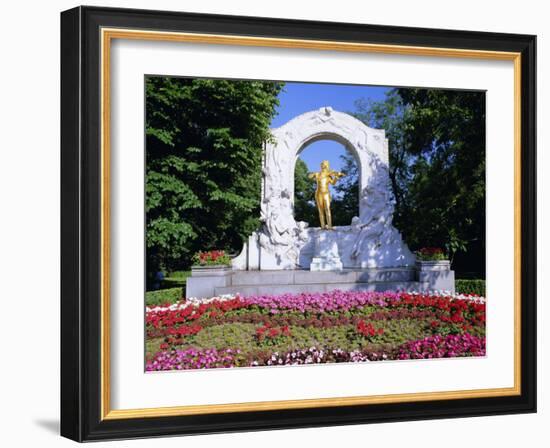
(368, 330)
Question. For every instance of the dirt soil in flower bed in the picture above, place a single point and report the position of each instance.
(292, 329)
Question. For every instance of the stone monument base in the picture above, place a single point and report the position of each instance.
(326, 256)
(248, 283)
(326, 264)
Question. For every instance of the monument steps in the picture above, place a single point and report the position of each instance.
(303, 276)
(273, 289)
(298, 281)
(209, 282)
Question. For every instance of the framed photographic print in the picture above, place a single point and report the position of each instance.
(276, 224)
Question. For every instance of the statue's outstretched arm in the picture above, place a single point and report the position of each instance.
(334, 176)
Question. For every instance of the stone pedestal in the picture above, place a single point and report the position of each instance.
(251, 283)
(436, 275)
(424, 277)
(326, 256)
(205, 279)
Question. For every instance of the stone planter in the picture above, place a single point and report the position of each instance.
(435, 275)
(436, 265)
(207, 271)
(204, 280)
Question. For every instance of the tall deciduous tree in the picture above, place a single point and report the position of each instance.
(304, 195)
(345, 203)
(204, 142)
(446, 206)
(437, 168)
(392, 115)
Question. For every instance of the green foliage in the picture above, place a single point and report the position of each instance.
(152, 346)
(449, 328)
(345, 204)
(393, 115)
(204, 141)
(398, 331)
(470, 287)
(446, 201)
(243, 336)
(237, 335)
(341, 336)
(175, 279)
(162, 296)
(437, 168)
(304, 195)
(178, 275)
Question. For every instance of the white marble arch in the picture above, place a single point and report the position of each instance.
(363, 142)
(369, 241)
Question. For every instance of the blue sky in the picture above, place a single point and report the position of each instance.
(297, 98)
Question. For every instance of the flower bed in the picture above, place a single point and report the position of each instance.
(292, 329)
(211, 258)
(430, 254)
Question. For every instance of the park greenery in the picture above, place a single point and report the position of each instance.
(204, 144)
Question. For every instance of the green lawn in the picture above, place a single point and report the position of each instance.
(172, 289)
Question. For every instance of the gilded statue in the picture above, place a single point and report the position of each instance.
(324, 179)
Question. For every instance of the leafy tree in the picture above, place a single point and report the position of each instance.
(204, 142)
(437, 168)
(304, 195)
(446, 132)
(345, 203)
(392, 115)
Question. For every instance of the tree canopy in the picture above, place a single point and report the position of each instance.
(204, 140)
(304, 195)
(345, 203)
(437, 168)
(446, 199)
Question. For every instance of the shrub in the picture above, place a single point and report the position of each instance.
(163, 296)
(179, 274)
(175, 279)
(476, 287)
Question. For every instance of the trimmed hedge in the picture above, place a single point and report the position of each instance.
(163, 296)
(182, 275)
(470, 287)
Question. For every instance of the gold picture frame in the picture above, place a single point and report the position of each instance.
(105, 26)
